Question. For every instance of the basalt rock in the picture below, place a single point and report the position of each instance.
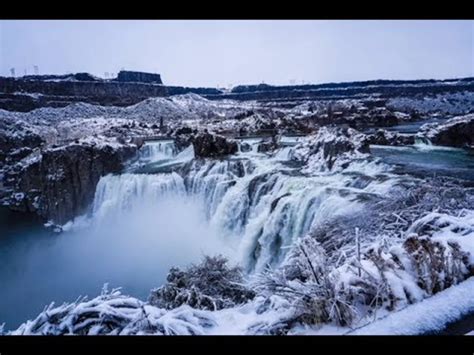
(269, 145)
(61, 183)
(15, 146)
(140, 77)
(456, 132)
(207, 145)
(330, 145)
(383, 137)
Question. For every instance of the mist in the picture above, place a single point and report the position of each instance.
(133, 249)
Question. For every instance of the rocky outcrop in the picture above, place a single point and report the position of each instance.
(60, 183)
(14, 147)
(456, 132)
(330, 147)
(207, 145)
(138, 77)
(35, 91)
(382, 88)
(269, 145)
(25, 95)
(384, 137)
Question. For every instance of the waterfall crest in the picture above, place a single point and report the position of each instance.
(157, 150)
(258, 205)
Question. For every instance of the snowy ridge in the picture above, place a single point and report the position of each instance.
(429, 315)
(187, 106)
(458, 103)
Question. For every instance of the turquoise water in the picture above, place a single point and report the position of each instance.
(426, 160)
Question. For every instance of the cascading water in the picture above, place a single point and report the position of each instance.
(257, 205)
(249, 207)
(157, 150)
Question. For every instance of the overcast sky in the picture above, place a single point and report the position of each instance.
(223, 53)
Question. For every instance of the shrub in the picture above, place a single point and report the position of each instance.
(210, 285)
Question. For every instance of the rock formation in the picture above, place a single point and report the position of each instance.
(59, 184)
(456, 132)
(207, 145)
(138, 77)
(384, 137)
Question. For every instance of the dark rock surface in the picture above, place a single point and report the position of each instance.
(207, 145)
(269, 145)
(138, 77)
(25, 95)
(60, 185)
(456, 132)
(383, 137)
(383, 88)
(14, 147)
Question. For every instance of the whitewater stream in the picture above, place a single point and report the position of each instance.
(168, 209)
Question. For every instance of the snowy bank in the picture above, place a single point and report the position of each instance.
(429, 315)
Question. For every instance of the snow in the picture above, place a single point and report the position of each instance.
(256, 202)
(458, 103)
(429, 315)
(430, 130)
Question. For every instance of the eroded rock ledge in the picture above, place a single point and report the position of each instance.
(59, 183)
(456, 132)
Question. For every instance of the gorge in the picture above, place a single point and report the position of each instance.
(334, 212)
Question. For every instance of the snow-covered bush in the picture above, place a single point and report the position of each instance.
(210, 285)
(438, 265)
(305, 282)
(115, 314)
(386, 276)
(388, 220)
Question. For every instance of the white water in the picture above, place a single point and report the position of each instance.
(254, 205)
(157, 150)
(249, 208)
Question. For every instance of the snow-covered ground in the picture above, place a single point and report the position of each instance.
(458, 103)
(429, 315)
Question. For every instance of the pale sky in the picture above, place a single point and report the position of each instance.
(222, 53)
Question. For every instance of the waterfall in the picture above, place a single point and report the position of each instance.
(116, 194)
(157, 150)
(255, 204)
(284, 154)
(422, 141)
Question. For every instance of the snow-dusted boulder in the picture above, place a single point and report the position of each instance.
(456, 132)
(209, 145)
(330, 147)
(384, 137)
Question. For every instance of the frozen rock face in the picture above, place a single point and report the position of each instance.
(456, 132)
(60, 183)
(382, 88)
(331, 146)
(14, 147)
(207, 145)
(384, 137)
